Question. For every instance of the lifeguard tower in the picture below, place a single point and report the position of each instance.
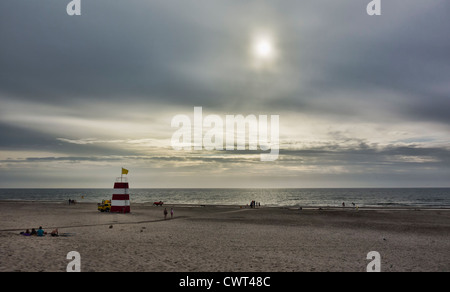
(120, 202)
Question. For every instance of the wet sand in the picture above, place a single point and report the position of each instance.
(223, 239)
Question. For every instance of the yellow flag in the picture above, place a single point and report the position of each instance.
(124, 171)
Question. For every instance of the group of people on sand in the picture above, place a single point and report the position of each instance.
(353, 204)
(166, 213)
(254, 204)
(40, 232)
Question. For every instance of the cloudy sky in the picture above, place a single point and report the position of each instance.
(363, 101)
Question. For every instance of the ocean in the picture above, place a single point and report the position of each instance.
(374, 197)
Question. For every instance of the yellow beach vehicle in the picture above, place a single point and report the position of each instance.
(105, 206)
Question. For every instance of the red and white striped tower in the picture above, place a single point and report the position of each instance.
(120, 202)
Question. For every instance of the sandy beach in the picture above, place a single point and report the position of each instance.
(223, 239)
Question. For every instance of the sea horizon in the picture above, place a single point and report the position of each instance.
(437, 197)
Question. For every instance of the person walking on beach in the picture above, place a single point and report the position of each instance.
(171, 213)
(165, 213)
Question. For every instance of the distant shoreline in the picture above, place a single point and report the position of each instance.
(434, 198)
(317, 207)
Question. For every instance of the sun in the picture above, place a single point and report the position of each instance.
(263, 48)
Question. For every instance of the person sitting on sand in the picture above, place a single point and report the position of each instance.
(55, 232)
(33, 232)
(26, 233)
(41, 231)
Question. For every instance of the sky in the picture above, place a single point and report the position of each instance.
(363, 101)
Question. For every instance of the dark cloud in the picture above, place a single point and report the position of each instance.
(398, 156)
(133, 50)
(191, 54)
(19, 138)
(15, 138)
